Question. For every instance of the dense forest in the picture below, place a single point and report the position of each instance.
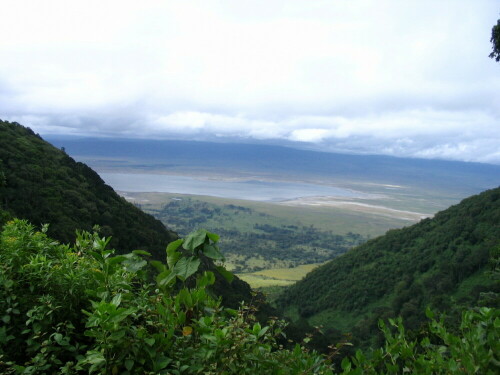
(43, 184)
(82, 309)
(78, 306)
(439, 262)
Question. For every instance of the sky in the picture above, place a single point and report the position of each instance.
(403, 78)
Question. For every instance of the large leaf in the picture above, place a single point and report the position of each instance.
(195, 239)
(214, 237)
(165, 278)
(185, 267)
(172, 254)
(141, 252)
(160, 267)
(208, 278)
(174, 245)
(134, 263)
(213, 252)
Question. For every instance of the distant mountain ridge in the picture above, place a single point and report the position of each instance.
(178, 156)
(438, 262)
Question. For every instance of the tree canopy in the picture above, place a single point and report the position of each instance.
(495, 40)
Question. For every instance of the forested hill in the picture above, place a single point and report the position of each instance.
(438, 262)
(43, 184)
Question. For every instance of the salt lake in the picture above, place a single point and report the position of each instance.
(251, 189)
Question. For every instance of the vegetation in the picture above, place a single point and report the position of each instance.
(438, 262)
(83, 309)
(495, 41)
(254, 240)
(44, 185)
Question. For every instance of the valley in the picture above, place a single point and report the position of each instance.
(277, 209)
(270, 243)
(287, 246)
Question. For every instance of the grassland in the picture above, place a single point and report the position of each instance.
(341, 220)
(277, 276)
(270, 244)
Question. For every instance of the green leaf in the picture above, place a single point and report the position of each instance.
(346, 364)
(174, 245)
(97, 256)
(263, 331)
(129, 363)
(160, 266)
(185, 297)
(208, 278)
(225, 273)
(429, 313)
(172, 254)
(141, 252)
(134, 263)
(185, 267)
(213, 252)
(165, 278)
(112, 262)
(195, 239)
(58, 338)
(214, 237)
(117, 300)
(98, 275)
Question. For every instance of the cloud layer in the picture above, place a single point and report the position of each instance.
(401, 78)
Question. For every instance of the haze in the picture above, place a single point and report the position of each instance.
(403, 78)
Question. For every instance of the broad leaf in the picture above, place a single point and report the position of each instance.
(214, 237)
(208, 278)
(213, 252)
(185, 267)
(172, 254)
(117, 259)
(174, 245)
(141, 252)
(165, 278)
(195, 239)
(134, 264)
(160, 267)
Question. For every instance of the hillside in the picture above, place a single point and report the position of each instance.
(438, 262)
(44, 185)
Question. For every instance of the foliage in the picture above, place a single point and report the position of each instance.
(475, 350)
(83, 309)
(438, 262)
(495, 41)
(43, 184)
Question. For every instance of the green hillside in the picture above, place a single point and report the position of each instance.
(44, 185)
(88, 309)
(438, 262)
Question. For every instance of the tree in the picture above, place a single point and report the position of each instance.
(495, 40)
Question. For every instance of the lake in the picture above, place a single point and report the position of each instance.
(257, 190)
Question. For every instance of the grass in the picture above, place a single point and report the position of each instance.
(337, 219)
(277, 276)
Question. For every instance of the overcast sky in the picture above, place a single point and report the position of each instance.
(404, 78)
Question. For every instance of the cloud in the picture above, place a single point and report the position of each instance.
(402, 78)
